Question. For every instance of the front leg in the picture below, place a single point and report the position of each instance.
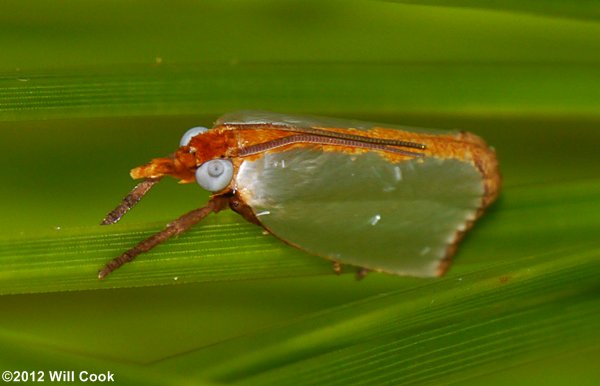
(239, 206)
(176, 227)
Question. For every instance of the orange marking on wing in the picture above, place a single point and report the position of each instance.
(462, 146)
(227, 140)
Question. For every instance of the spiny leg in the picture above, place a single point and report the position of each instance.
(174, 228)
(130, 200)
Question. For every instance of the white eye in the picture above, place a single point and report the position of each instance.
(215, 175)
(191, 133)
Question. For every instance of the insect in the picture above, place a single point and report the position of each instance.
(384, 198)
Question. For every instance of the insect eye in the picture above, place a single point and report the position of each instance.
(214, 175)
(191, 133)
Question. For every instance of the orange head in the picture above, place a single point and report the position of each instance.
(197, 146)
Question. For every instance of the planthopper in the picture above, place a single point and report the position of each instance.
(380, 197)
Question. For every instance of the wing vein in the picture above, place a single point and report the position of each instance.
(317, 139)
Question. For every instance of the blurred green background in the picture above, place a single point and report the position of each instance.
(90, 89)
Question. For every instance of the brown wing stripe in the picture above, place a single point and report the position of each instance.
(316, 139)
(352, 137)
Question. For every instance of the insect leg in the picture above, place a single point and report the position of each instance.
(130, 200)
(237, 205)
(176, 227)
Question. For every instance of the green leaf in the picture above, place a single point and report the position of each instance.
(223, 249)
(466, 89)
(449, 330)
(532, 218)
(89, 90)
(580, 9)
